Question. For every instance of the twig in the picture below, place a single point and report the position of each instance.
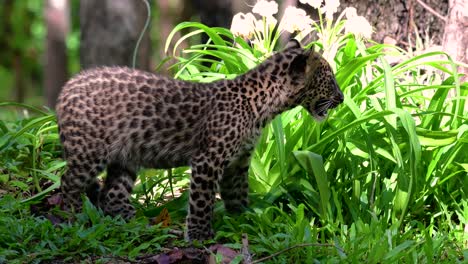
(411, 23)
(245, 249)
(143, 31)
(293, 247)
(176, 232)
(118, 258)
(435, 13)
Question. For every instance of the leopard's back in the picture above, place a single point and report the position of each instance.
(121, 114)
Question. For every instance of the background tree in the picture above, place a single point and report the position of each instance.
(109, 32)
(455, 39)
(55, 71)
(401, 20)
(214, 13)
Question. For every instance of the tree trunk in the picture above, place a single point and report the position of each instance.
(214, 13)
(11, 55)
(109, 32)
(456, 33)
(401, 19)
(55, 72)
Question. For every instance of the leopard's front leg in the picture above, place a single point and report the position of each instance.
(206, 170)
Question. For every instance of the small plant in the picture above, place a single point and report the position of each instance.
(29, 150)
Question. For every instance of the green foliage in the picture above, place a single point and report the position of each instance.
(24, 238)
(23, 34)
(23, 39)
(271, 230)
(29, 149)
(393, 154)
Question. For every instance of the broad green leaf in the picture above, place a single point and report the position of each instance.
(313, 164)
(348, 71)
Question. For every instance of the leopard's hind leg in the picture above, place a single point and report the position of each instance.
(235, 184)
(235, 180)
(80, 178)
(115, 196)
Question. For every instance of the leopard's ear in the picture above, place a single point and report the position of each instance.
(293, 44)
(304, 60)
(313, 60)
(298, 64)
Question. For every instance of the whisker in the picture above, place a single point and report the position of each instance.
(325, 105)
(321, 103)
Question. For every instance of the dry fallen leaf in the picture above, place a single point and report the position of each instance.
(55, 199)
(228, 253)
(163, 218)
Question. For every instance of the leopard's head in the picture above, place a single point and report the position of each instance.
(312, 81)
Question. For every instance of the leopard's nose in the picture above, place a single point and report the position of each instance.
(340, 97)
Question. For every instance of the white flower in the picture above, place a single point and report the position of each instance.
(295, 19)
(357, 25)
(243, 25)
(58, 4)
(350, 12)
(270, 22)
(331, 6)
(265, 8)
(313, 3)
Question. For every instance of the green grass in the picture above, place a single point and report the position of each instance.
(383, 180)
(26, 239)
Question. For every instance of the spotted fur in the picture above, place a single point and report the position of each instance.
(121, 119)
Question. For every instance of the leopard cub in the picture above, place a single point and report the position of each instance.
(121, 119)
